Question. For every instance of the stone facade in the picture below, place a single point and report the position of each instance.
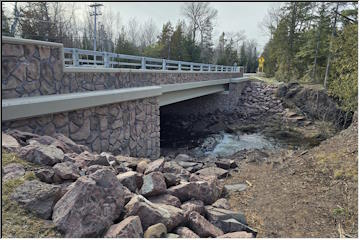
(34, 70)
(129, 128)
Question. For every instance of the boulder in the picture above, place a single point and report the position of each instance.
(226, 164)
(87, 159)
(208, 192)
(232, 225)
(156, 231)
(202, 227)
(142, 166)
(171, 179)
(63, 143)
(222, 203)
(66, 171)
(37, 197)
(130, 227)
(185, 232)
(155, 166)
(235, 187)
(193, 205)
(173, 167)
(47, 175)
(41, 154)
(94, 168)
(237, 235)
(21, 137)
(132, 180)
(12, 170)
(154, 184)
(70, 145)
(216, 214)
(9, 143)
(172, 235)
(150, 213)
(215, 171)
(166, 199)
(90, 206)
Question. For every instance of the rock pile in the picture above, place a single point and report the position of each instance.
(101, 195)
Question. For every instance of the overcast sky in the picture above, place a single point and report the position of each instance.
(232, 16)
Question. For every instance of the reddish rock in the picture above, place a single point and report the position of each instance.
(132, 180)
(171, 179)
(47, 175)
(154, 184)
(90, 206)
(151, 213)
(203, 227)
(130, 227)
(208, 192)
(141, 166)
(185, 232)
(217, 214)
(156, 231)
(166, 199)
(193, 205)
(155, 166)
(237, 235)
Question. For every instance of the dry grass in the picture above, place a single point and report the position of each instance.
(17, 222)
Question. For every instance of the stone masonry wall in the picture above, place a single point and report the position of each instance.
(34, 70)
(129, 128)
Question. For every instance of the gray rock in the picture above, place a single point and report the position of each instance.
(185, 232)
(130, 227)
(171, 179)
(150, 213)
(37, 197)
(203, 227)
(47, 175)
(155, 166)
(132, 180)
(226, 164)
(173, 167)
(235, 187)
(91, 206)
(153, 184)
(232, 225)
(216, 214)
(142, 166)
(9, 143)
(41, 154)
(213, 171)
(66, 171)
(12, 170)
(222, 203)
(166, 199)
(172, 235)
(183, 157)
(156, 231)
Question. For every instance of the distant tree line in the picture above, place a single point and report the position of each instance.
(315, 42)
(190, 39)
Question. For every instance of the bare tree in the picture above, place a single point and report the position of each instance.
(148, 33)
(200, 15)
(133, 31)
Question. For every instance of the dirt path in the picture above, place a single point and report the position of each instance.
(303, 194)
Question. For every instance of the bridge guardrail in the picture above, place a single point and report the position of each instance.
(74, 57)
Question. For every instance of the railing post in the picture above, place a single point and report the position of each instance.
(201, 68)
(106, 60)
(163, 64)
(179, 66)
(209, 67)
(191, 67)
(235, 65)
(143, 63)
(75, 55)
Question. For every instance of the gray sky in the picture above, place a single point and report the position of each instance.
(232, 16)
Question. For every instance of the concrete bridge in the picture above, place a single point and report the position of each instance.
(47, 89)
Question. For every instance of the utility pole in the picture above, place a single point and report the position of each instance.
(95, 13)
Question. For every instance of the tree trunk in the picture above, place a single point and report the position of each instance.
(329, 55)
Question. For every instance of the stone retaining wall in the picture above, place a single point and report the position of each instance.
(129, 128)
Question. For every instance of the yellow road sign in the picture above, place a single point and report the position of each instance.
(261, 63)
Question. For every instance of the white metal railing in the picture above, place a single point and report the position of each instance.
(74, 57)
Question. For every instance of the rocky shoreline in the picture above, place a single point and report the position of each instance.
(100, 195)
